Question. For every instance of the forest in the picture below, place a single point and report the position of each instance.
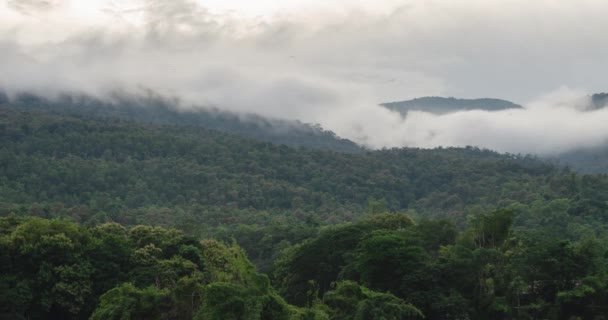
(110, 218)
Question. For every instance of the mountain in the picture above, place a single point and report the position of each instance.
(441, 105)
(89, 208)
(151, 108)
(589, 160)
(599, 100)
(116, 167)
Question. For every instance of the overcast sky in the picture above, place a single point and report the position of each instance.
(331, 62)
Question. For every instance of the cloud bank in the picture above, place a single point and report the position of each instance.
(332, 67)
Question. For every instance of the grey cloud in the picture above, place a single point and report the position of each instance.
(29, 7)
(335, 70)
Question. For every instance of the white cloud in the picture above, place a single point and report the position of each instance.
(331, 66)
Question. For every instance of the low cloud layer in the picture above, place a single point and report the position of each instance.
(332, 67)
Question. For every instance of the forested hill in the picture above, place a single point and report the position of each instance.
(113, 167)
(86, 203)
(441, 105)
(151, 108)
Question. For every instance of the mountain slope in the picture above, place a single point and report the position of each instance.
(517, 213)
(115, 167)
(151, 108)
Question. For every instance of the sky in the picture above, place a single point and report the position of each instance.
(331, 62)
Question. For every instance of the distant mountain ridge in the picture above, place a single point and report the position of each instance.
(589, 160)
(152, 108)
(599, 100)
(442, 105)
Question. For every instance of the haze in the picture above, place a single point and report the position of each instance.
(331, 63)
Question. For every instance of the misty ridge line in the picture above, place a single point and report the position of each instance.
(148, 107)
(143, 100)
(153, 107)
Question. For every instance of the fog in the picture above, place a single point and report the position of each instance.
(332, 65)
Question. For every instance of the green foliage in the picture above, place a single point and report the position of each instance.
(91, 209)
(96, 171)
(488, 271)
(489, 230)
(151, 108)
(57, 269)
(385, 306)
(350, 301)
(129, 302)
(320, 260)
(235, 302)
(390, 221)
(390, 261)
(436, 233)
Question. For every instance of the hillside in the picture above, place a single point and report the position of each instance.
(118, 165)
(151, 108)
(441, 105)
(108, 170)
(399, 234)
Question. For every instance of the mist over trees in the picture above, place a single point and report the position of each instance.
(106, 218)
(148, 107)
(242, 160)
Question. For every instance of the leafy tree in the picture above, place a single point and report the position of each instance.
(129, 302)
(350, 301)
